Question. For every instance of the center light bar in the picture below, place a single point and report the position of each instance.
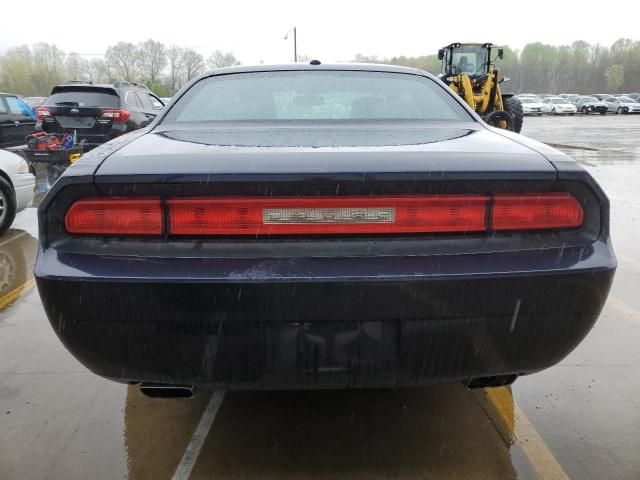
(323, 215)
(307, 215)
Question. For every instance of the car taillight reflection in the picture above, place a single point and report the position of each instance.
(42, 112)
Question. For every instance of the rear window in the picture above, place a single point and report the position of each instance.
(83, 97)
(315, 96)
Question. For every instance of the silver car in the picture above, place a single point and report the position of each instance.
(587, 104)
(622, 105)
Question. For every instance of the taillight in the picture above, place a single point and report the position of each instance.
(323, 215)
(116, 115)
(115, 217)
(533, 212)
(348, 215)
(42, 112)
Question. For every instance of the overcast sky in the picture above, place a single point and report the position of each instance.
(328, 30)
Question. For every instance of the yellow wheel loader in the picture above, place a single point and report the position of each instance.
(469, 70)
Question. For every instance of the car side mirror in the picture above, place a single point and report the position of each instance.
(505, 79)
(441, 54)
(501, 53)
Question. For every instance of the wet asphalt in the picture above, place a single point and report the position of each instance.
(579, 419)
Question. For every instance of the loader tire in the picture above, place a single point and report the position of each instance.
(513, 106)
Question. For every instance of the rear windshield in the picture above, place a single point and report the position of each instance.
(83, 97)
(315, 96)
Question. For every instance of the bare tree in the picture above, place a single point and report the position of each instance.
(124, 59)
(193, 64)
(219, 59)
(175, 59)
(99, 71)
(77, 68)
(152, 58)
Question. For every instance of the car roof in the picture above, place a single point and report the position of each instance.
(365, 67)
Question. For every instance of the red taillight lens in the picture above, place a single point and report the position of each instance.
(532, 212)
(116, 116)
(324, 216)
(348, 215)
(115, 217)
(42, 112)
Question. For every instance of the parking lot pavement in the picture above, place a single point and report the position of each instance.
(580, 419)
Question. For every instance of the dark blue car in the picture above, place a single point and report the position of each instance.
(312, 226)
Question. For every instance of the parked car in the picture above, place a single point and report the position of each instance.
(634, 96)
(16, 120)
(531, 106)
(586, 104)
(622, 105)
(96, 113)
(567, 95)
(316, 226)
(16, 187)
(529, 95)
(35, 102)
(557, 106)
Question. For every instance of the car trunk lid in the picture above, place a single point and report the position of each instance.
(358, 154)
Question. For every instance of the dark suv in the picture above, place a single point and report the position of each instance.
(16, 120)
(96, 113)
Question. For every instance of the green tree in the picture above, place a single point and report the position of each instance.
(615, 77)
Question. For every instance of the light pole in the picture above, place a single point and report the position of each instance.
(295, 43)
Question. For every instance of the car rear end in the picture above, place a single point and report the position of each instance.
(93, 114)
(355, 254)
(162, 282)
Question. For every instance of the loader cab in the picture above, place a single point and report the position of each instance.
(473, 60)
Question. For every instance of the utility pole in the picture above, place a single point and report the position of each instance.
(295, 43)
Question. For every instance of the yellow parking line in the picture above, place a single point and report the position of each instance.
(8, 298)
(525, 435)
(622, 307)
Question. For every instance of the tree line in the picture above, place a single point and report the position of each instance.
(34, 70)
(581, 67)
(541, 68)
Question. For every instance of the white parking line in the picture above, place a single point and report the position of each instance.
(183, 471)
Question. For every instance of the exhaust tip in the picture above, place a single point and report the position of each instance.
(164, 390)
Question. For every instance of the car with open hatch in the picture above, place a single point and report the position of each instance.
(322, 226)
(96, 113)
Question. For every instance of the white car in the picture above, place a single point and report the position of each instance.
(557, 106)
(531, 106)
(16, 187)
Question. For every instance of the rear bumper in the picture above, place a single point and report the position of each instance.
(324, 323)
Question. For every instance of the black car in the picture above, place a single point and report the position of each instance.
(314, 226)
(16, 120)
(97, 113)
